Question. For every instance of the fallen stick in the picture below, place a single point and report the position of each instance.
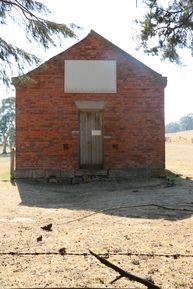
(126, 274)
(126, 207)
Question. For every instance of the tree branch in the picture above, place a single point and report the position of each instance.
(125, 274)
(170, 28)
(22, 8)
(128, 207)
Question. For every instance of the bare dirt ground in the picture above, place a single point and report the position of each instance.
(153, 240)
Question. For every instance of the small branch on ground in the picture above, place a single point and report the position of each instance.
(127, 207)
(125, 274)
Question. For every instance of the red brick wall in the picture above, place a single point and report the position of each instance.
(47, 118)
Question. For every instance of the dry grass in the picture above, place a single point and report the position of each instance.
(179, 152)
(182, 137)
(179, 158)
(4, 167)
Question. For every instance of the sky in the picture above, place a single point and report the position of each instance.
(114, 20)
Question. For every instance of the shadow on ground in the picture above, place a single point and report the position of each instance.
(114, 197)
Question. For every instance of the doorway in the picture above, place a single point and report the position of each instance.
(91, 140)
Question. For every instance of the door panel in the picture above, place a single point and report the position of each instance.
(91, 145)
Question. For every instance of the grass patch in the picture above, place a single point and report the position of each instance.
(5, 176)
(163, 173)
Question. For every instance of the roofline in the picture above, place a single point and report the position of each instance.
(101, 38)
(132, 58)
(44, 63)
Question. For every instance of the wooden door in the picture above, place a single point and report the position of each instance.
(91, 144)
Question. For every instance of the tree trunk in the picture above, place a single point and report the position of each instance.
(4, 145)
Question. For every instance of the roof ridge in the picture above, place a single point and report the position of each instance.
(132, 58)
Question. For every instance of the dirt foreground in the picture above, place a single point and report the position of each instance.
(107, 217)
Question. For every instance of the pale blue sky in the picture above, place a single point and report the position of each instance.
(113, 19)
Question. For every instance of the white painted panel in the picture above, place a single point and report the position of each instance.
(96, 132)
(96, 76)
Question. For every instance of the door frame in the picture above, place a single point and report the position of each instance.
(97, 167)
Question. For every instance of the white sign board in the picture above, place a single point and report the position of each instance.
(95, 76)
(96, 132)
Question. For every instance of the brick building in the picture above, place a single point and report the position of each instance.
(91, 107)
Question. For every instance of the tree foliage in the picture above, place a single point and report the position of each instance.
(26, 13)
(185, 123)
(172, 127)
(7, 122)
(166, 28)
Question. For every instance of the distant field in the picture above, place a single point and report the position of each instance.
(182, 137)
(179, 158)
(179, 152)
(4, 166)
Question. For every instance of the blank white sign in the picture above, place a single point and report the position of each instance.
(96, 132)
(96, 76)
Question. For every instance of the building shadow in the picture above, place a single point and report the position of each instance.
(149, 199)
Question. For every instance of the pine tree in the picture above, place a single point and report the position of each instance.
(26, 13)
(166, 29)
